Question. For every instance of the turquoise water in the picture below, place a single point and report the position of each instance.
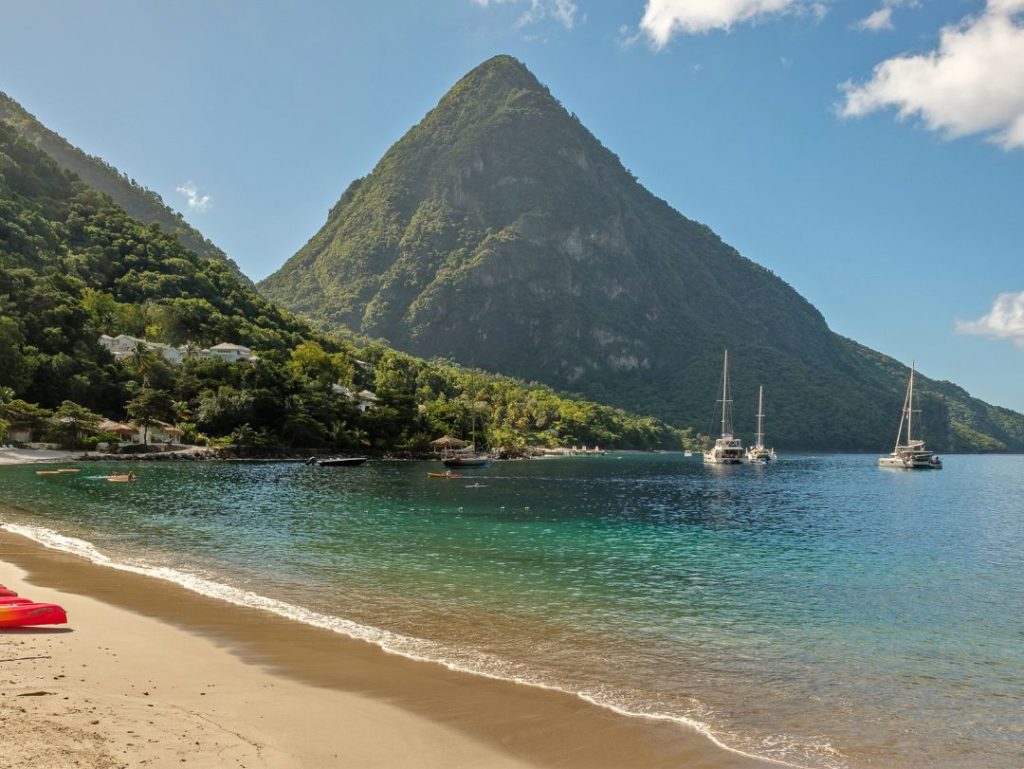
(820, 611)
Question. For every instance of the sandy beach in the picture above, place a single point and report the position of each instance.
(13, 456)
(149, 674)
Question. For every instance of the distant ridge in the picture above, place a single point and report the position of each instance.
(500, 232)
(140, 203)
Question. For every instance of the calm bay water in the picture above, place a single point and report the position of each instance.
(821, 611)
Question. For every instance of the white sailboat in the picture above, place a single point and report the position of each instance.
(728, 450)
(468, 456)
(758, 452)
(911, 455)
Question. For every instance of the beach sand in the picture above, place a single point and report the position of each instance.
(150, 674)
(12, 456)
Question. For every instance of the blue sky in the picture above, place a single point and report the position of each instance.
(869, 153)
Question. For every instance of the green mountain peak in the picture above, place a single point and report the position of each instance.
(501, 233)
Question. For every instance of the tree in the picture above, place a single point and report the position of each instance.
(147, 408)
(72, 422)
(142, 361)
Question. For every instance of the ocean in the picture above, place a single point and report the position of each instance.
(819, 611)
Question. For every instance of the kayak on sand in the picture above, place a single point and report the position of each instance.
(24, 615)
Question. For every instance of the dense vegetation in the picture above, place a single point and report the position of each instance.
(74, 265)
(500, 233)
(139, 202)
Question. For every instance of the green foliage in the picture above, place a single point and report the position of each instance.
(139, 203)
(149, 408)
(72, 425)
(500, 233)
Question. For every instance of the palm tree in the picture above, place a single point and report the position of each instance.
(142, 360)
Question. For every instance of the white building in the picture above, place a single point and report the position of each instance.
(232, 353)
(122, 345)
(170, 354)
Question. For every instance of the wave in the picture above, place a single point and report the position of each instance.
(423, 650)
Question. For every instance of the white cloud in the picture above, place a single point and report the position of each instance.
(663, 19)
(1004, 321)
(562, 11)
(877, 21)
(972, 83)
(193, 199)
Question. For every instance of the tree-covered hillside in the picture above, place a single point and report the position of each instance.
(74, 265)
(139, 202)
(501, 233)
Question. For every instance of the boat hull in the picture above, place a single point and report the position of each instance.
(30, 614)
(342, 462)
(725, 460)
(900, 463)
(466, 462)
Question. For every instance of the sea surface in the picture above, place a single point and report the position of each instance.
(820, 611)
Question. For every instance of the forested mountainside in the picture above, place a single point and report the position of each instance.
(501, 233)
(139, 202)
(74, 265)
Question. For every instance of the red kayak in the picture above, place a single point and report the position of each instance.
(5, 592)
(23, 615)
(9, 600)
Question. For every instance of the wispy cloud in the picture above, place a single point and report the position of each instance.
(972, 83)
(882, 18)
(877, 21)
(664, 19)
(562, 11)
(193, 199)
(1004, 321)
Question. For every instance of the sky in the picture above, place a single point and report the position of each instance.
(871, 154)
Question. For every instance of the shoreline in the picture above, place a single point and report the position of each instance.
(499, 722)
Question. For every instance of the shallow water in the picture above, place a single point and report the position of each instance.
(821, 610)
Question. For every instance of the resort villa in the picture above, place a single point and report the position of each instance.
(122, 345)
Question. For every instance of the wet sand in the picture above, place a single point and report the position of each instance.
(151, 674)
(11, 456)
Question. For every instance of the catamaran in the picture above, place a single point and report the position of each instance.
(911, 455)
(728, 450)
(758, 452)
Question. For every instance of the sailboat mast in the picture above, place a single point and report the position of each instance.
(903, 417)
(760, 417)
(725, 388)
(910, 403)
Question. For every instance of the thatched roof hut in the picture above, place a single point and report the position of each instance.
(448, 442)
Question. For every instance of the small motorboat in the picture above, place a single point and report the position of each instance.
(47, 472)
(126, 478)
(336, 461)
(27, 614)
(69, 470)
(448, 474)
(470, 460)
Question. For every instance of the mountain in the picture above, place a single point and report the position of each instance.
(140, 203)
(74, 265)
(501, 233)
